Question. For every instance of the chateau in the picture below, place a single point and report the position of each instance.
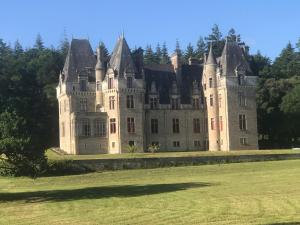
(107, 105)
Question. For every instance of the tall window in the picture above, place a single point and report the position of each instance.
(154, 126)
(220, 100)
(130, 102)
(82, 85)
(111, 102)
(153, 103)
(130, 125)
(100, 128)
(83, 104)
(211, 100)
(196, 103)
(113, 127)
(221, 123)
(175, 103)
(196, 125)
(242, 99)
(212, 123)
(210, 82)
(129, 82)
(242, 122)
(98, 86)
(110, 83)
(85, 127)
(175, 125)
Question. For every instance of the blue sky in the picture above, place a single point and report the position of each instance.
(265, 25)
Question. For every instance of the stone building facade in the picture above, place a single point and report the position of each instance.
(106, 105)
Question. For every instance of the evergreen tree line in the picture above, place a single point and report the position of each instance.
(29, 109)
(160, 55)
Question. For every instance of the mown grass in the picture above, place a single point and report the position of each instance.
(53, 155)
(242, 193)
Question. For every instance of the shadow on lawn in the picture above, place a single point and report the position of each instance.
(285, 223)
(98, 192)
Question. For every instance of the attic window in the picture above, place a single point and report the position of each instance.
(82, 85)
(241, 79)
(129, 82)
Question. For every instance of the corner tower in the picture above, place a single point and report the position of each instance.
(123, 90)
(209, 82)
(237, 100)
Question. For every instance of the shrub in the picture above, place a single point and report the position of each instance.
(131, 149)
(153, 148)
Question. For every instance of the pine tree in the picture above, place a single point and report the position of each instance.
(64, 44)
(158, 54)
(232, 36)
(189, 53)
(201, 48)
(149, 57)
(216, 39)
(165, 59)
(178, 49)
(39, 44)
(18, 48)
(104, 50)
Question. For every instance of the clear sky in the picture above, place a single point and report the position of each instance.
(265, 25)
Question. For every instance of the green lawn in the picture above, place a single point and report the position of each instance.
(54, 155)
(240, 193)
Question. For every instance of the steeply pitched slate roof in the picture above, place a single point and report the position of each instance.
(163, 81)
(190, 73)
(121, 60)
(233, 58)
(164, 77)
(80, 60)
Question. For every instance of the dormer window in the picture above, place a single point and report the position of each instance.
(82, 85)
(153, 102)
(175, 103)
(129, 82)
(196, 103)
(241, 79)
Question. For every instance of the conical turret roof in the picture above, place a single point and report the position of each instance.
(211, 58)
(121, 60)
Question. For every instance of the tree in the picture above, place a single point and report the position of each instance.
(201, 48)
(104, 50)
(165, 59)
(178, 49)
(21, 156)
(287, 64)
(232, 36)
(260, 65)
(189, 53)
(149, 56)
(216, 38)
(158, 54)
(39, 44)
(64, 44)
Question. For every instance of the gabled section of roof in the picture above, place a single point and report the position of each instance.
(121, 60)
(79, 61)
